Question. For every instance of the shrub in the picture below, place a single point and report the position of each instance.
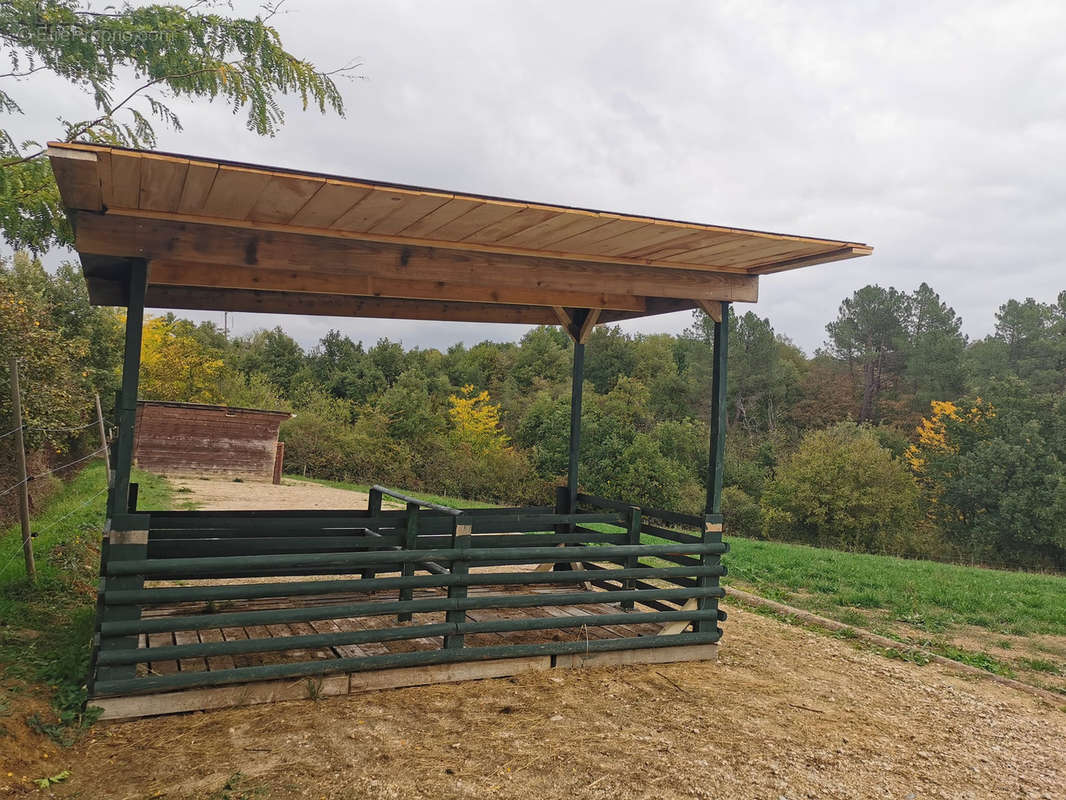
(741, 513)
(841, 489)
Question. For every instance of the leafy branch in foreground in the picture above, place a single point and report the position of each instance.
(165, 52)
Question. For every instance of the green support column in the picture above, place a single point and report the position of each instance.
(718, 413)
(458, 591)
(126, 408)
(712, 520)
(577, 382)
(126, 538)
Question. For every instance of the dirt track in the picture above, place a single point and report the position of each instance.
(785, 713)
(221, 495)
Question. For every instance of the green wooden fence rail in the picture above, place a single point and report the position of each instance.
(647, 563)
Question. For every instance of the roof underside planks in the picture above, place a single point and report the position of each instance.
(233, 237)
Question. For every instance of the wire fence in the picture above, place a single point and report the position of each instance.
(53, 524)
(61, 429)
(52, 471)
(42, 429)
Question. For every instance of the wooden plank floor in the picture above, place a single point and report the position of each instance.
(140, 705)
(169, 667)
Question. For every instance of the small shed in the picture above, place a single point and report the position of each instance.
(197, 439)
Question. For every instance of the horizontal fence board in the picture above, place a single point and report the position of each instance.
(207, 566)
(668, 534)
(382, 608)
(183, 594)
(688, 520)
(656, 604)
(323, 667)
(343, 638)
(204, 548)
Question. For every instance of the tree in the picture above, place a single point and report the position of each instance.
(543, 358)
(132, 61)
(54, 389)
(934, 356)
(993, 472)
(609, 355)
(476, 421)
(388, 357)
(842, 489)
(869, 332)
(274, 354)
(176, 365)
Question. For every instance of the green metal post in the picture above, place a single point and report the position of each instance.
(458, 591)
(410, 542)
(633, 561)
(126, 408)
(712, 520)
(577, 380)
(121, 543)
(373, 509)
(718, 413)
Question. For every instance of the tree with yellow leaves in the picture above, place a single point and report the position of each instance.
(991, 476)
(476, 420)
(177, 366)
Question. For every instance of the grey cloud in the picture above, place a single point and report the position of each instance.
(934, 131)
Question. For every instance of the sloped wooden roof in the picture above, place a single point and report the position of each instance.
(220, 235)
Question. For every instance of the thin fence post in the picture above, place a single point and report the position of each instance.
(632, 562)
(23, 474)
(373, 503)
(407, 568)
(458, 591)
(103, 436)
(279, 461)
(373, 507)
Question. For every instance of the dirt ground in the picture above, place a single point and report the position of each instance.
(785, 713)
(224, 495)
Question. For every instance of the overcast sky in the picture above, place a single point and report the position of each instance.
(934, 131)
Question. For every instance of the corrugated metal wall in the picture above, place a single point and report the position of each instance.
(190, 439)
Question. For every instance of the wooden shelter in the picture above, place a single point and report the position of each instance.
(200, 439)
(614, 582)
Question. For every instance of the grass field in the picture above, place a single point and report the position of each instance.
(45, 630)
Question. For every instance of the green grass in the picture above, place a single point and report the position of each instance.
(45, 628)
(925, 594)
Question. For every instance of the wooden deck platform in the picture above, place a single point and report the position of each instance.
(124, 707)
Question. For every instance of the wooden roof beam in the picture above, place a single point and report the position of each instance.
(252, 301)
(187, 273)
(167, 240)
(851, 251)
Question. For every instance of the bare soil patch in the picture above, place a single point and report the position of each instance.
(219, 494)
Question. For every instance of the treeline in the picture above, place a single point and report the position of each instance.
(898, 436)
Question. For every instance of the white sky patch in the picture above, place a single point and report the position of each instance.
(935, 132)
